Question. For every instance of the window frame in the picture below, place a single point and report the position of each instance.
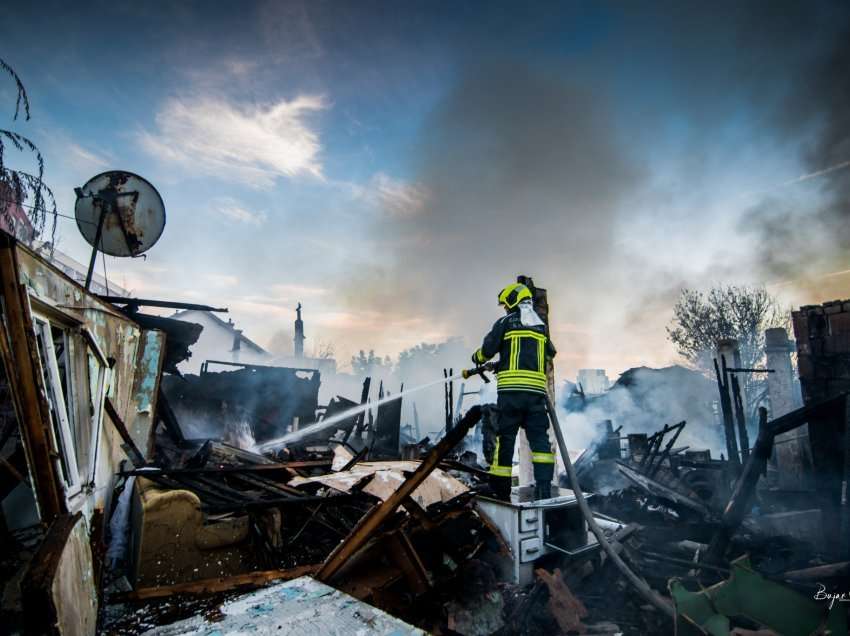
(65, 448)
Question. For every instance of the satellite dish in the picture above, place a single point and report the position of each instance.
(119, 213)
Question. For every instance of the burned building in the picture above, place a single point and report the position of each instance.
(133, 504)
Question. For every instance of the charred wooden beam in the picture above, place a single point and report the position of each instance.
(361, 417)
(242, 365)
(253, 468)
(658, 489)
(666, 453)
(377, 515)
(166, 414)
(129, 446)
(277, 503)
(404, 555)
(726, 408)
(205, 587)
(133, 304)
(739, 503)
(744, 437)
(268, 485)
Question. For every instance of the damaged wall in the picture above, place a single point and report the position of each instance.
(70, 358)
(132, 379)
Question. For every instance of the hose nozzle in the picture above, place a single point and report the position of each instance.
(480, 370)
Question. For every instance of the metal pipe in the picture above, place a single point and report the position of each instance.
(639, 585)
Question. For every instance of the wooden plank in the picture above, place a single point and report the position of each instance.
(25, 379)
(204, 587)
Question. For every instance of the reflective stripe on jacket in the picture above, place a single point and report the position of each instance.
(523, 352)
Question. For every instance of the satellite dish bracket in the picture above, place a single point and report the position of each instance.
(108, 196)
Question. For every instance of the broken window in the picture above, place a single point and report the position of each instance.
(53, 347)
(76, 376)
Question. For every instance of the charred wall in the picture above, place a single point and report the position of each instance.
(823, 348)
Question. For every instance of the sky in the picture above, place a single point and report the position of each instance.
(393, 165)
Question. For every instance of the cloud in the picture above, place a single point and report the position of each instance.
(222, 280)
(239, 142)
(236, 211)
(84, 158)
(290, 291)
(396, 197)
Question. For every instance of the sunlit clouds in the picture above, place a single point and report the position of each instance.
(239, 142)
(238, 212)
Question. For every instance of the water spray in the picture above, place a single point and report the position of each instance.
(326, 423)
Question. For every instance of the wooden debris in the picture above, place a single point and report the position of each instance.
(206, 587)
(565, 607)
(370, 522)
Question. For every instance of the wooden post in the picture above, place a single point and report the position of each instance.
(744, 437)
(726, 408)
(739, 503)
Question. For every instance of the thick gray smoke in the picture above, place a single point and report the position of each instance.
(524, 173)
(796, 241)
(558, 172)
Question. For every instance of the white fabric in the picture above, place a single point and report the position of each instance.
(527, 316)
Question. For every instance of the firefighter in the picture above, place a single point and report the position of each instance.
(521, 340)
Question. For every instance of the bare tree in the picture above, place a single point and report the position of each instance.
(16, 186)
(727, 311)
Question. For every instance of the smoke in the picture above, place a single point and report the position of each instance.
(524, 173)
(618, 177)
(801, 241)
(643, 401)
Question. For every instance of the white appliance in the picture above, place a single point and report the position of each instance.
(533, 529)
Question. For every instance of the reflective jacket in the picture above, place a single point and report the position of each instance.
(523, 352)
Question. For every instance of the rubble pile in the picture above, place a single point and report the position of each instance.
(140, 500)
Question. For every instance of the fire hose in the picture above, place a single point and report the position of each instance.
(636, 582)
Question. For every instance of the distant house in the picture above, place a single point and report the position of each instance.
(220, 340)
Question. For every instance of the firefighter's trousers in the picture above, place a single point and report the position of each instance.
(521, 409)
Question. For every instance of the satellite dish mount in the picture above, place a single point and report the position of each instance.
(119, 213)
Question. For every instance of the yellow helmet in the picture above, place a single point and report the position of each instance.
(513, 294)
